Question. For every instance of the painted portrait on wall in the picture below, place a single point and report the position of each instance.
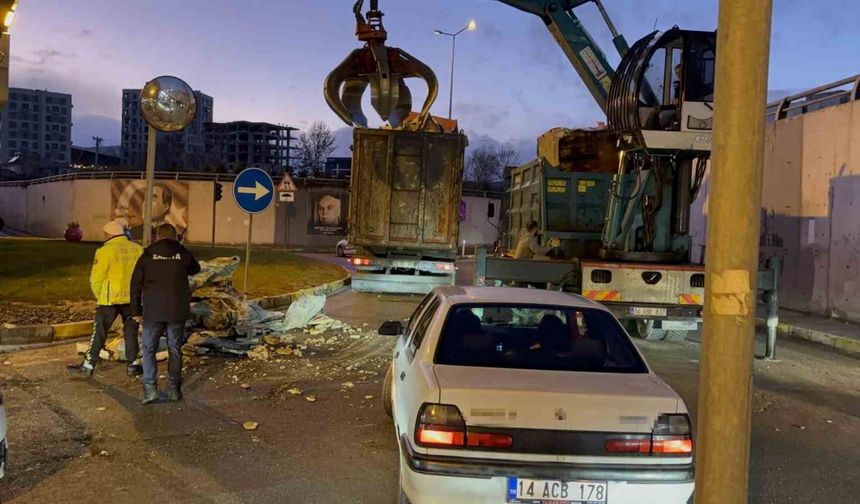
(169, 204)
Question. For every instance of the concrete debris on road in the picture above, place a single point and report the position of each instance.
(300, 312)
(250, 426)
(310, 398)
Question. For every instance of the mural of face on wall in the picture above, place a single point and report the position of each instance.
(328, 211)
(169, 204)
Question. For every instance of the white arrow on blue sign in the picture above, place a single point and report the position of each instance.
(253, 190)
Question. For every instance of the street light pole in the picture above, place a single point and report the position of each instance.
(471, 26)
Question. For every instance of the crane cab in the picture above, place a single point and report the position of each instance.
(662, 96)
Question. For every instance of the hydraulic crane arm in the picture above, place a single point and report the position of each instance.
(583, 52)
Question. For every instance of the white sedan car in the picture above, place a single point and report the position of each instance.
(503, 395)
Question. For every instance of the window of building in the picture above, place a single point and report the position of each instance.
(13, 106)
(12, 144)
(14, 96)
(13, 124)
(25, 106)
(25, 144)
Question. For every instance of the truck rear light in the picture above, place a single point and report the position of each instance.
(358, 261)
(444, 266)
(442, 426)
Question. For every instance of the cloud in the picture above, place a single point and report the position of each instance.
(482, 116)
(43, 57)
(85, 33)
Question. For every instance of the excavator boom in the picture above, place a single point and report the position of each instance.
(583, 52)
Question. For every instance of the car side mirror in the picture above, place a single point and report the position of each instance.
(391, 328)
(491, 210)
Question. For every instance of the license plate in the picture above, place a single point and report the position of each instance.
(529, 491)
(643, 311)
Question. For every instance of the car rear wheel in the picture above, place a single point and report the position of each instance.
(387, 402)
(340, 251)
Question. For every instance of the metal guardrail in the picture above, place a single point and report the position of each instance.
(110, 175)
(828, 93)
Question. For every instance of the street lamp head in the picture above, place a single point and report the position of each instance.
(472, 26)
(9, 6)
(438, 32)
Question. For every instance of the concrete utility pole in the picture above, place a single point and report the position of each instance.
(725, 378)
(97, 140)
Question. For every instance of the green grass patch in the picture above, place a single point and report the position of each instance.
(48, 272)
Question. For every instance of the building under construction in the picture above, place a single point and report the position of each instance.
(243, 144)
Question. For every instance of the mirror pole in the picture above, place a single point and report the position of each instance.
(150, 183)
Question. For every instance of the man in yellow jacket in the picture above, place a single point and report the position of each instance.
(110, 281)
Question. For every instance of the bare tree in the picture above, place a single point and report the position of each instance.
(315, 146)
(486, 165)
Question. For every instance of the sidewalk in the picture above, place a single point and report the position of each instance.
(842, 336)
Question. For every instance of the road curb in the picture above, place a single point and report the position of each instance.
(25, 335)
(72, 330)
(320, 290)
(843, 344)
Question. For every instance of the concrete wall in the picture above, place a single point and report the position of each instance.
(231, 222)
(13, 206)
(46, 209)
(811, 210)
(477, 229)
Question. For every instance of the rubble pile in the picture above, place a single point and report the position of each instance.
(223, 322)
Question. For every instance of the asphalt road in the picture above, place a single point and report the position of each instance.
(76, 440)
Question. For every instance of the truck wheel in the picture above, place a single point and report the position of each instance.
(387, 403)
(645, 329)
(676, 335)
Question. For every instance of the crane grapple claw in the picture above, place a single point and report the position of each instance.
(381, 67)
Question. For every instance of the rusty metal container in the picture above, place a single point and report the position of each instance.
(405, 192)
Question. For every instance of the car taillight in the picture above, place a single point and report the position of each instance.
(442, 426)
(358, 261)
(672, 435)
(445, 266)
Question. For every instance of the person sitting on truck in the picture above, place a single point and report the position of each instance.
(529, 247)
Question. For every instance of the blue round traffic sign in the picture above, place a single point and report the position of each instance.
(253, 190)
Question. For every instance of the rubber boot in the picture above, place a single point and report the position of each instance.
(134, 370)
(150, 393)
(174, 392)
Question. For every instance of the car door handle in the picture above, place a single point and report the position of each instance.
(402, 375)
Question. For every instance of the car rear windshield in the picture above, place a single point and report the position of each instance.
(553, 338)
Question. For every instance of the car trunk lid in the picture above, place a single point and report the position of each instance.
(556, 400)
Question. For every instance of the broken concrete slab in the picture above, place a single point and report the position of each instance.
(302, 311)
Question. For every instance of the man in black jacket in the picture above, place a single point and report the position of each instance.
(161, 293)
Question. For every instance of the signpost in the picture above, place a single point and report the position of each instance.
(167, 104)
(287, 194)
(254, 193)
